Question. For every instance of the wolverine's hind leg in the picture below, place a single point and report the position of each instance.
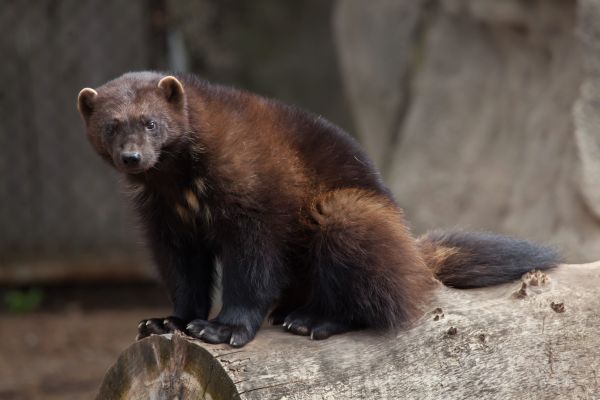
(294, 295)
(309, 321)
(366, 268)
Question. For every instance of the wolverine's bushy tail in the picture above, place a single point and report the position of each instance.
(470, 259)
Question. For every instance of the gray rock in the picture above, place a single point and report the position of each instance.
(486, 136)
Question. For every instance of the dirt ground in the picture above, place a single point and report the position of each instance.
(64, 350)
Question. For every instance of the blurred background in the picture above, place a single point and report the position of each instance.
(480, 114)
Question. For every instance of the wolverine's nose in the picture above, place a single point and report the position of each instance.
(131, 158)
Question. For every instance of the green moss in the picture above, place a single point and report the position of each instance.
(23, 301)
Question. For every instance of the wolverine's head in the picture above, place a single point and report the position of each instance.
(132, 120)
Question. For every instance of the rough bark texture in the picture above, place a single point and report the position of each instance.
(507, 342)
(482, 114)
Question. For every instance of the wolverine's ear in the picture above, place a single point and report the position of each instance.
(172, 88)
(85, 101)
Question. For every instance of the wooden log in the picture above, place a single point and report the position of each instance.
(537, 338)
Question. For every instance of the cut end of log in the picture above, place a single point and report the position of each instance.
(166, 367)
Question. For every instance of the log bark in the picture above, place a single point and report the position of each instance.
(537, 338)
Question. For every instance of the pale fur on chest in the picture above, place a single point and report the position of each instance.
(188, 204)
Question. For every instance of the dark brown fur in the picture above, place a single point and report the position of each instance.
(287, 202)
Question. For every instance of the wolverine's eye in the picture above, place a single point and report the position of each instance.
(110, 129)
(150, 125)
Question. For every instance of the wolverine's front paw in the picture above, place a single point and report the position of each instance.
(216, 332)
(159, 326)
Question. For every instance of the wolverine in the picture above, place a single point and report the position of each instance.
(288, 204)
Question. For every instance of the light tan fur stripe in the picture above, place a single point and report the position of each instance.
(192, 201)
(207, 214)
(200, 185)
(182, 212)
